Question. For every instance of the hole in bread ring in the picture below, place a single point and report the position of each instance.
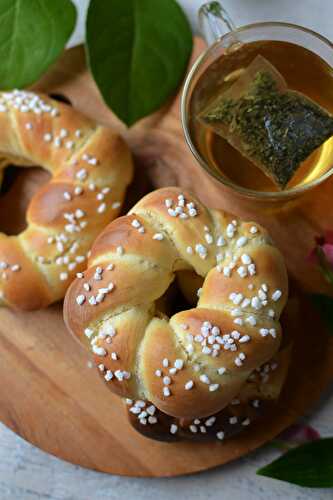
(194, 363)
(17, 189)
(86, 172)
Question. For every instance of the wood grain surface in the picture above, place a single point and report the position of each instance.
(48, 393)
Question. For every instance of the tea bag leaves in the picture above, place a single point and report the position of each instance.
(274, 127)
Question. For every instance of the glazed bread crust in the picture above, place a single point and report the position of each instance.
(195, 363)
(91, 167)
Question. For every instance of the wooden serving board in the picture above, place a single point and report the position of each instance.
(50, 396)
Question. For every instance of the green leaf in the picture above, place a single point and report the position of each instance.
(138, 52)
(309, 465)
(33, 33)
(324, 305)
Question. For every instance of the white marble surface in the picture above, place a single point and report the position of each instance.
(314, 14)
(26, 473)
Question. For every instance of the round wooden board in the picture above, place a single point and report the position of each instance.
(48, 393)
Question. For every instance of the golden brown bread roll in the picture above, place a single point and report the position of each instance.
(195, 363)
(91, 167)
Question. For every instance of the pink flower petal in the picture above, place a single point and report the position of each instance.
(328, 251)
(299, 434)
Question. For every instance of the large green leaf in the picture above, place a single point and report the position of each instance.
(308, 465)
(138, 51)
(32, 35)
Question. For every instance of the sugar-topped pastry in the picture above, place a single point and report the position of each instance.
(197, 362)
(91, 167)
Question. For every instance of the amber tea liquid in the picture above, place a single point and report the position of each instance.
(303, 71)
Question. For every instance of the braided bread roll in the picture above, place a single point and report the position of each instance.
(193, 364)
(91, 167)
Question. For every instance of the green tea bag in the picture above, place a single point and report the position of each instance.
(274, 127)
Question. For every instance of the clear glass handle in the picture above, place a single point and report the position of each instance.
(214, 22)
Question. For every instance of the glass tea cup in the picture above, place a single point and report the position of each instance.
(225, 41)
